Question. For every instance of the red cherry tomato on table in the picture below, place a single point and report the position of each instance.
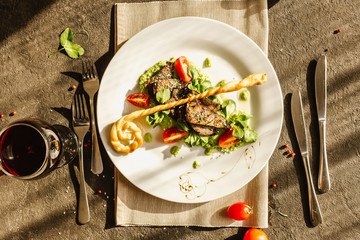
(255, 234)
(239, 211)
(227, 139)
(139, 100)
(172, 135)
(181, 66)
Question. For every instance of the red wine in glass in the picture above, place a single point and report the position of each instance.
(31, 148)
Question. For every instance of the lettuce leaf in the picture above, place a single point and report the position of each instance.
(161, 118)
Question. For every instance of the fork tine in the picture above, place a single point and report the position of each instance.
(77, 107)
(73, 110)
(83, 69)
(88, 69)
(94, 70)
(86, 113)
(91, 69)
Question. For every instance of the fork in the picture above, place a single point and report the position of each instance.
(81, 124)
(91, 86)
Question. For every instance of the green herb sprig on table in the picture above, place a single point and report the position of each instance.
(73, 50)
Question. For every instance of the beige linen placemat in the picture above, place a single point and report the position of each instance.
(133, 207)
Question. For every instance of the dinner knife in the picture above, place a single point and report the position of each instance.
(320, 94)
(300, 132)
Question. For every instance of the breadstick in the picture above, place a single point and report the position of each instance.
(125, 130)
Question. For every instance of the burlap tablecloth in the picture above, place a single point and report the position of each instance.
(133, 207)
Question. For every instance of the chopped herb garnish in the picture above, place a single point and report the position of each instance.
(282, 214)
(207, 62)
(196, 164)
(244, 95)
(175, 150)
(148, 137)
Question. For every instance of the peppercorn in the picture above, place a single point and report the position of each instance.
(293, 154)
(337, 31)
(288, 151)
(274, 185)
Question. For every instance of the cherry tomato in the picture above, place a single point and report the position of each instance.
(255, 234)
(227, 139)
(172, 135)
(139, 100)
(181, 66)
(239, 211)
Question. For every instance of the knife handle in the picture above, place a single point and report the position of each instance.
(324, 178)
(315, 212)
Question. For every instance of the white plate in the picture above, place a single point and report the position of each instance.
(234, 56)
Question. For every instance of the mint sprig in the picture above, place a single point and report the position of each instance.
(73, 50)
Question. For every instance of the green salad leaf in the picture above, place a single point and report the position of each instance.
(73, 50)
(228, 108)
(181, 124)
(250, 135)
(238, 132)
(163, 95)
(194, 139)
(161, 118)
(200, 82)
(193, 72)
(242, 130)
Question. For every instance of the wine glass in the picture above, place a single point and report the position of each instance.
(32, 148)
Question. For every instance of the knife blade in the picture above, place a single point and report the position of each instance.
(320, 95)
(300, 132)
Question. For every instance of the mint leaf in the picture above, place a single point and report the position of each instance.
(66, 40)
(66, 37)
(74, 50)
(163, 95)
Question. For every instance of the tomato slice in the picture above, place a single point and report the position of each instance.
(139, 99)
(227, 139)
(181, 66)
(173, 134)
(239, 211)
(255, 234)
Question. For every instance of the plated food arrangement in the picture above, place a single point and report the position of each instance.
(194, 143)
(188, 108)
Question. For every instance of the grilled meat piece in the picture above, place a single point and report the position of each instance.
(168, 83)
(213, 106)
(201, 115)
(164, 73)
(164, 80)
(204, 130)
